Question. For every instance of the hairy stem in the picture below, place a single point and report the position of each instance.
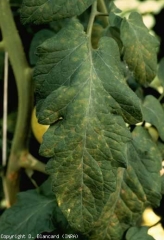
(22, 72)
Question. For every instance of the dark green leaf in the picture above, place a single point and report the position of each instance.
(135, 233)
(161, 72)
(38, 38)
(161, 148)
(114, 19)
(42, 11)
(115, 34)
(32, 214)
(57, 25)
(153, 113)
(46, 189)
(145, 159)
(140, 48)
(112, 7)
(85, 92)
(113, 30)
(137, 186)
(15, 3)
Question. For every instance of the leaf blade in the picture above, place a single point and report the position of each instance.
(76, 95)
(135, 233)
(153, 113)
(42, 11)
(31, 208)
(134, 189)
(140, 48)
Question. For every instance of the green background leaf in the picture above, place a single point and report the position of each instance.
(135, 233)
(137, 186)
(32, 214)
(38, 38)
(115, 34)
(114, 18)
(153, 113)
(42, 11)
(84, 92)
(140, 48)
(161, 72)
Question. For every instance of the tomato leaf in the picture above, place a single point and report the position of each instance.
(115, 20)
(31, 209)
(114, 33)
(137, 186)
(38, 38)
(153, 113)
(140, 48)
(135, 233)
(83, 92)
(42, 11)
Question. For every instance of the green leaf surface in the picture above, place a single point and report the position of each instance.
(153, 113)
(135, 233)
(140, 48)
(161, 72)
(137, 186)
(114, 18)
(15, 3)
(42, 11)
(84, 92)
(38, 39)
(160, 146)
(112, 7)
(114, 33)
(32, 214)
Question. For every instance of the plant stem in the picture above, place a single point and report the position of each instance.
(30, 162)
(91, 19)
(103, 10)
(22, 72)
(103, 13)
(5, 104)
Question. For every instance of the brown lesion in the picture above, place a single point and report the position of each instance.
(13, 176)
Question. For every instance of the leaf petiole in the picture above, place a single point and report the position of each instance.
(91, 19)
